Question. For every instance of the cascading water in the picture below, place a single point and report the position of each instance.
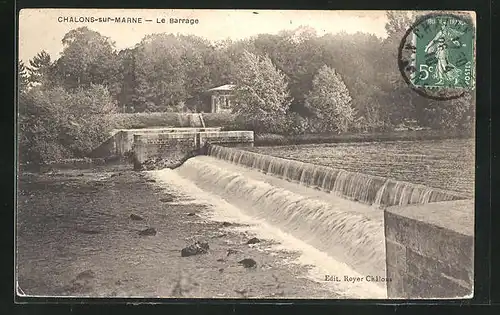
(335, 226)
(328, 209)
(360, 187)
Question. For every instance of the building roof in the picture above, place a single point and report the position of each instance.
(226, 87)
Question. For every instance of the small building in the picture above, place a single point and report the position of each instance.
(221, 98)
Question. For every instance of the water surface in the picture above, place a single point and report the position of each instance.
(446, 164)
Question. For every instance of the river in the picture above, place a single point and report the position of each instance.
(445, 164)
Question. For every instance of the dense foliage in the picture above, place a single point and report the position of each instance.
(293, 82)
(261, 94)
(330, 102)
(56, 124)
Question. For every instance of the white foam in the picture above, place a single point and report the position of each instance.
(322, 264)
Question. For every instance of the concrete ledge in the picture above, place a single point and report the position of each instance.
(430, 250)
(124, 138)
(221, 137)
(164, 146)
(168, 149)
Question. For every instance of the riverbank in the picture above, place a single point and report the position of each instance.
(76, 237)
(409, 135)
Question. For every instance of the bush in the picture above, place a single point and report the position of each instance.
(261, 95)
(168, 119)
(145, 120)
(55, 124)
(227, 121)
(330, 101)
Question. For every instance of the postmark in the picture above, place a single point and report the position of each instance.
(436, 56)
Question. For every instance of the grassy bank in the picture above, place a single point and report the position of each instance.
(147, 120)
(274, 139)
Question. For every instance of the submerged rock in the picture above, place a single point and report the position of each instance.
(231, 251)
(248, 263)
(253, 240)
(90, 232)
(87, 274)
(136, 217)
(167, 199)
(196, 249)
(148, 232)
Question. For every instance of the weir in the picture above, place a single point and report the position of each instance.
(413, 240)
(350, 232)
(368, 189)
(425, 239)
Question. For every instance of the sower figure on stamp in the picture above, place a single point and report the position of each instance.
(445, 70)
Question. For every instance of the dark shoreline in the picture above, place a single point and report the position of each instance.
(413, 135)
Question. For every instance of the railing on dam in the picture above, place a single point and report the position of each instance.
(355, 186)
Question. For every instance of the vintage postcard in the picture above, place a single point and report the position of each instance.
(245, 154)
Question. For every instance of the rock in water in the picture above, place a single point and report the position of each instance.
(226, 224)
(148, 232)
(136, 217)
(253, 241)
(190, 214)
(195, 249)
(167, 199)
(248, 263)
(87, 274)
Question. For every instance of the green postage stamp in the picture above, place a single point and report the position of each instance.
(443, 47)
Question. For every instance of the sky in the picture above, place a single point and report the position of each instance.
(43, 29)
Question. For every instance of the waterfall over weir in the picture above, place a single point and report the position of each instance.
(351, 233)
(360, 187)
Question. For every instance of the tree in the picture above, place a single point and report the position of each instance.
(398, 23)
(261, 93)
(88, 58)
(330, 101)
(397, 100)
(159, 73)
(22, 78)
(56, 124)
(456, 114)
(40, 69)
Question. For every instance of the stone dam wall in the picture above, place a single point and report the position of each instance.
(430, 250)
(160, 150)
(124, 138)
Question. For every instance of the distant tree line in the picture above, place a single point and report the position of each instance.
(291, 82)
